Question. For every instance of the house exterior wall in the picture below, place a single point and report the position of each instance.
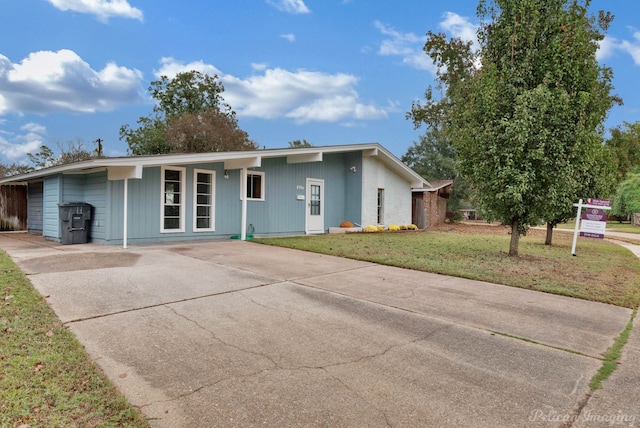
(35, 200)
(397, 194)
(52, 195)
(435, 207)
(281, 212)
(351, 184)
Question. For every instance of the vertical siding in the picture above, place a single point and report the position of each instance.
(35, 207)
(282, 212)
(95, 193)
(52, 191)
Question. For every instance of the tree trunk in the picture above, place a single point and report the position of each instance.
(515, 239)
(547, 241)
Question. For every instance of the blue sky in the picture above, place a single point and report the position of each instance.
(328, 71)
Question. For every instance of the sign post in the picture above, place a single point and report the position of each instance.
(594, 220)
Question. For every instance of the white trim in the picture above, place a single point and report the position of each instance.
(183, 187)
(320, 182)
(243, 189)
(243, 220)
(212, 196)
(240, 159)
(125, 220)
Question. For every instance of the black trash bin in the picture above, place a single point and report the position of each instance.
(74, 222)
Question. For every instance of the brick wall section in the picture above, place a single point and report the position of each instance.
(435, 207)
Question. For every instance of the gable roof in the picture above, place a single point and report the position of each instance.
(232, 160)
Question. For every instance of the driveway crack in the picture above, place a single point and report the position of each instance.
(230, 345)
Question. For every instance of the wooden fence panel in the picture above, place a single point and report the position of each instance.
(13, 207)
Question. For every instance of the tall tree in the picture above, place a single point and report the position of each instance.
(625, 143)
(627, 198)
(190, 115)
(205, 131)
(526, 112)
(434, 158)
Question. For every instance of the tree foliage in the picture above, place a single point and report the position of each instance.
(627, 199)
(297, 144)
(190, 115)
(205, 131)
(70, 152)
(625, 143)
(434, 158)
(525, 111)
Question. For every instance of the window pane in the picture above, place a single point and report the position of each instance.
(315, 208)
(203, 211)
(204, 200)
(204, 188)
(171, 211)
(254, 186)
(172, 223)
(171, 175)
(203, 223)
(204, 178)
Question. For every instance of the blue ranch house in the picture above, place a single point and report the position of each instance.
(195, 196)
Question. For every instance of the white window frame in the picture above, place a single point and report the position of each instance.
(183, 195)
(212, 205)
(262, 186)
(380, 205)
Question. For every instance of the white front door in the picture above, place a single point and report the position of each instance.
(315, 206)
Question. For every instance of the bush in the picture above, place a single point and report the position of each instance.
(394, 227)
(412, 227)
(371, 228)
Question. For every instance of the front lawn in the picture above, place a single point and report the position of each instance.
(602, 271)
(46, 377)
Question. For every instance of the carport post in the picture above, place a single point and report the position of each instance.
(125, 218)
(243, 192)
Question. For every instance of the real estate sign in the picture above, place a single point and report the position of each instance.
(593, 220)
(594, 223)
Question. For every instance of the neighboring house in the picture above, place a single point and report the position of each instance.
(429, 203)
(192, 196)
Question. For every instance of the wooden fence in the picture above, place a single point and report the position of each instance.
(13, 207)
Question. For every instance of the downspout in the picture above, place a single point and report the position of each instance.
(243, 192)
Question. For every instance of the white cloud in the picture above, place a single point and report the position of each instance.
(259, 66)
(460, 27)
(61, 81)
(632, 47)
(409, 46)
(406, 45)
(606, 48)
(19, 145)
(290, 37)
(301, 95)
(102, 9)
(290, 6)
(610, 46)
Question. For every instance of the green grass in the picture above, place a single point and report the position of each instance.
(612, 355)
(602, 271)
(46, 377)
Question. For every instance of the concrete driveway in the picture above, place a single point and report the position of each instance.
(239, 334)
